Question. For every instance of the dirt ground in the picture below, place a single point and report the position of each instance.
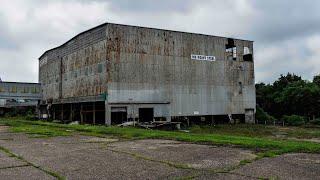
(84, 157)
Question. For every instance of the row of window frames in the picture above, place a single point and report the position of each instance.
(88, 71)
(25, 90)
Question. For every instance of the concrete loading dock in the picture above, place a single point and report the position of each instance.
(114, 73)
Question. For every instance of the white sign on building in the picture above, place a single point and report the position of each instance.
(202, 57)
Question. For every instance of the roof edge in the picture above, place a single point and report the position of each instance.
(11, 82)
(104, 24)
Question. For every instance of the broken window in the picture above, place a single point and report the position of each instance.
(240, 87)
(231, 50)
(99, 68)
(13, 89)
(246, 50)
(247, 55)
(86, 71)
(33, 90)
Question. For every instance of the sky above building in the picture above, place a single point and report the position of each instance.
(286, 33)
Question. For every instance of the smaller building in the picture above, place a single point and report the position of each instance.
(19, 95)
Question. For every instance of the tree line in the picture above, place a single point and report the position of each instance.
(289, 95)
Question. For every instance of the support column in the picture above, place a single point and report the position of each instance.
(94, 113)
(54, 112)
(81, 113)
(107, 114)
(71, 113)
(212, 120)
(62, 115)
(168, 118)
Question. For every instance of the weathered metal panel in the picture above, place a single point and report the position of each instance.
(155, 65)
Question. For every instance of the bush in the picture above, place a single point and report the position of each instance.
(293, 120)
(263, 116)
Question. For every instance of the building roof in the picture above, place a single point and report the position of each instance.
(104, 24)
(10, 82)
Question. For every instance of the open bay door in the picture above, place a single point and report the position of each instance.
(118, 115)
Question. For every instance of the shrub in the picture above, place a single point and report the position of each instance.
(293, 120)
(262, 116)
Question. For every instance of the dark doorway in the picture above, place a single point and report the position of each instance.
(118, 115)
(145, 114)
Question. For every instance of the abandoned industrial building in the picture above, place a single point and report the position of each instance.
(116, 73)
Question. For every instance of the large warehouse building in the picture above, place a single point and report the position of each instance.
(114, 73)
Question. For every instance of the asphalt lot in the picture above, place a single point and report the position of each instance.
(85, 157)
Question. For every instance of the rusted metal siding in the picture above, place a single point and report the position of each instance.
(154, 66)
(76, 69)
(84, 72)
(151, 66)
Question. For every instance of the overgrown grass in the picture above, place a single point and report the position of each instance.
(239, 130)
(259, 131)
(302, 133)
(264, 146)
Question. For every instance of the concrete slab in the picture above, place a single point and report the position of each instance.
(289, 166)
(79, 157)
(83, 157)
(193, 155)
(6, 161)
(23, 173)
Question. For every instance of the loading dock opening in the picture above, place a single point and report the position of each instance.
(118, 115)
(145, 114)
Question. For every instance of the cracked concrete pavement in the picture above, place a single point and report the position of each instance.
(85, 157)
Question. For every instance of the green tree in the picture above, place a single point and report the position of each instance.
(290, 95)
(316, 79)
(284, 81)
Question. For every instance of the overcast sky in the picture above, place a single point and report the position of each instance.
(286, 32)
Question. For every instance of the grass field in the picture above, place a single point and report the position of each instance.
(263, 139)
(260, 131)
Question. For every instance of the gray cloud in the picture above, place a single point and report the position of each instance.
(281, 20)
(286, 33)
(152, 6)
